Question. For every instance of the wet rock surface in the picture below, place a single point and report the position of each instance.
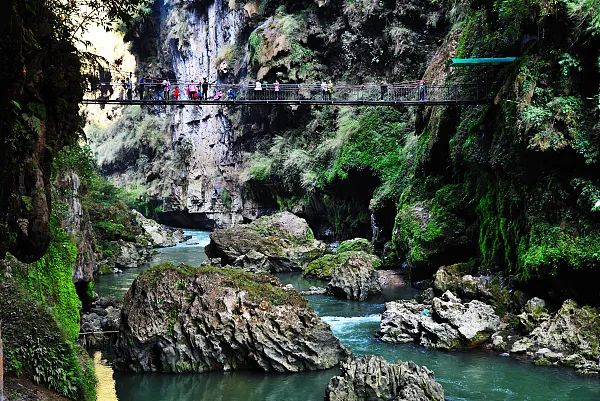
(356, 279)
(204, 319)
(372, 378)
(447, 323)
(278, 243)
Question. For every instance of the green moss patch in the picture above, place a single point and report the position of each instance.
(356, 244)
(258, 287)
(322, 268)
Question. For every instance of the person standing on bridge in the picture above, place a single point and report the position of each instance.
(176, 93)
(166, 87)
(422, 90)
(192, 90)
(384, 90)
(324, 90)
(123, 89)
(330, 89)
(258, 90)
(129, 88)
(276, 89)
(204, 89)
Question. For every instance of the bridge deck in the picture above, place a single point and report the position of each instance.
(188, 102)
(292, 94)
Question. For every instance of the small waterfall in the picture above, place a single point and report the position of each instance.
(374, 229)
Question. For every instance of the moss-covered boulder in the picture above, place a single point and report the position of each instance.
(356, 279)
(186, 319)
(281, 242)
(427, 234)
(533, 314)
(356, 244)
(323, 267)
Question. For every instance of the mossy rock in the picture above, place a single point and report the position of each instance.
(259, 287)
(323, 267)
(356, 244)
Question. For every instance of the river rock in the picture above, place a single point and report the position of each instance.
(323, 267)
(355, 279)
(184, 319)
(312, 290)
(159, 235)
(521, 346)
(533, 314)
(572, 330)
(445, 324)
(131, 254)
(451, 278)
(409, 321)
(277, 243)
(475, 320)
(372, 378)
(356, 244)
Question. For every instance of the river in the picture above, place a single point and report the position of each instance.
(468, 375)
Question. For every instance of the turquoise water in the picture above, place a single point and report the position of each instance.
(190, 252)
(469, 375)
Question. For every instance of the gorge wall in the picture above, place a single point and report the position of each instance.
(509, 187)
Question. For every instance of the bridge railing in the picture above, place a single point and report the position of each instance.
(403, 92)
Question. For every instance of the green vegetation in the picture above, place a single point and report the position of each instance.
(281, 43)
(226, 199)
(37, 346)
(39, 308)
(49, 281)
(550, 248)
(322, 268)
(108, 206)
(356, 244)
(259, 287)
(136, 132)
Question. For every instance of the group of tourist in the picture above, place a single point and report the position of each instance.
(148, 88)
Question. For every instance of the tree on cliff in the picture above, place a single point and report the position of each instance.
(39, 106)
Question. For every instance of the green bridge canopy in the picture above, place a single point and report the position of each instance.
(482, 61)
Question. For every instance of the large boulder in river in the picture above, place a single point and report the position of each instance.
(409, 321)
(356, 244)
(277, 243)
(355, 278)
(446, 323)
(159, 235)
(323, 267)
(372, 378)
(185, 319)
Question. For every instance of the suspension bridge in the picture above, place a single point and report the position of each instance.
(191, 94)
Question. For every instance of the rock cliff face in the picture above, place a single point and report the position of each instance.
(194, 165)
(76, 221)
(371, 378)
(203, 319)
(38, 116)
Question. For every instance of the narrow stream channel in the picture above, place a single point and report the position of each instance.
(469, 375)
